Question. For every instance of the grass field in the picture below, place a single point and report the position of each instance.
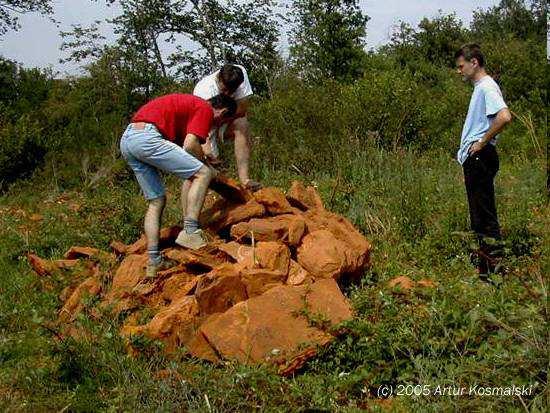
(412, 206)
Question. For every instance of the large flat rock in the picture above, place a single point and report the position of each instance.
(275, 327)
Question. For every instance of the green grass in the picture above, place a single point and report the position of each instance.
(411, 206)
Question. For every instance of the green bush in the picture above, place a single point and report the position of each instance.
(22, 149)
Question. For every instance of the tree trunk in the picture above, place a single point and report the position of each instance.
(158, 55)
(210, 40)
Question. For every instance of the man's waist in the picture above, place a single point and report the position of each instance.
(142, 125)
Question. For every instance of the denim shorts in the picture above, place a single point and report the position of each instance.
(147, 152)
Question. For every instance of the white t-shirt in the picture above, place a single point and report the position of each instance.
(208, 87)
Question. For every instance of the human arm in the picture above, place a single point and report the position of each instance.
(192, 145)
(502, 118)
(242, 107)
(242, 95)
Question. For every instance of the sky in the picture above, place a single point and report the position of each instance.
(37, 42)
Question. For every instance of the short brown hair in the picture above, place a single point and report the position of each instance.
(471, 51)
(224, 102)
(231, 76)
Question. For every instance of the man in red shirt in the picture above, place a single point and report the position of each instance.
(166, 134)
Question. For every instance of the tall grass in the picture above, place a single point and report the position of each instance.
(412, 206)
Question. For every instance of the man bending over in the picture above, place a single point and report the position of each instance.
(231, 80)
(166, 135)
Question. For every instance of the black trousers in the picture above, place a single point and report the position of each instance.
(479, 175)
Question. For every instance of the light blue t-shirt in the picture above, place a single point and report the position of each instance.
(485, 103)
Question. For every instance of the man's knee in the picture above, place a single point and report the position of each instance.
(242, 126)
(205, 173)
(159, 202)
(238, 126)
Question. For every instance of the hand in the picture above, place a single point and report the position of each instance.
(212, 160)
(192, 145)
(215, 172)
(476, 147)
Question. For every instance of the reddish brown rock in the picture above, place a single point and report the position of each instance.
(274, 201)
(242, 254)
(259, 280)
(74, 304)
(220, 289)
(323, 255)
(88, 253)
(274, 256)
(233, 214)
(46, 267)
(167, 238)
(265, 229)
(297, 362)
(201, 261)
(298, 275)
(234, 250)
(118, 247)
(230, 189)
(199, 347)
(255, 302)
(82, 252)
(426, 283)
(403, 282)
(304, 197)
(130, 272)
(178, 286)
(270, 255)
(296, 230)
(357, 253)
(269, 328)
(40, 266)
(174, 325)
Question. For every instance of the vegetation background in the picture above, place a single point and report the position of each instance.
(375, 131)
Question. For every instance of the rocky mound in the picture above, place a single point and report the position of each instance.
(265, 289)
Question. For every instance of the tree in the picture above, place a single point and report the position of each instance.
(10, 10)
(435, 41)
(518, 18)
(218, 32)
(243, 32)
(328, 38)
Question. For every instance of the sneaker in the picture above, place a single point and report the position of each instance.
(152, 269)
(192, 241)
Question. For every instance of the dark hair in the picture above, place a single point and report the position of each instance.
(223, 101)
(231, 76)
(471, 51)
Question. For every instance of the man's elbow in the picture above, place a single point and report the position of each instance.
(506, 116)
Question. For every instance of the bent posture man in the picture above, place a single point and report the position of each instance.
(231, 80)
(153, 141)
(487, 116)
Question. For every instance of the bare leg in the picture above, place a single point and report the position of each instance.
(197, 192)
(152, 227)
(185, 186)
(241, 132)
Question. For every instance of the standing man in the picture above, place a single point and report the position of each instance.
(231, 80)
(487, 116)
(153, 142)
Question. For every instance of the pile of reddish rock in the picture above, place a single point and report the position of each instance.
(265, 289)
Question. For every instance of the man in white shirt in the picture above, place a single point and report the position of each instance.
(231, 80)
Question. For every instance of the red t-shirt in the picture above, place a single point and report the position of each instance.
(177, 115)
